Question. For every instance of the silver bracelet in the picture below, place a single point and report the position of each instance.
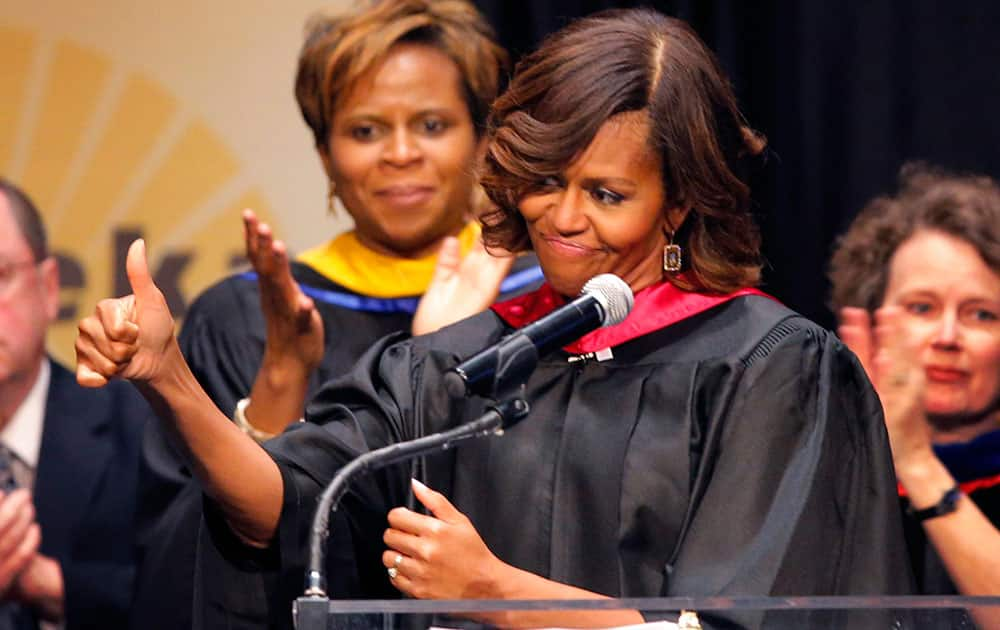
(240, 418)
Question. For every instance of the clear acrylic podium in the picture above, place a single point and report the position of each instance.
(890, 613)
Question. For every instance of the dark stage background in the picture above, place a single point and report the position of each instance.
(846, 92)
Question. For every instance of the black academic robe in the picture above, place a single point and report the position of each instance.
(975, 465)
(932, 577)
(223, 340)
(738, 452)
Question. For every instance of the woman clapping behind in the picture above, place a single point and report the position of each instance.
(395, 93)
(916, 280)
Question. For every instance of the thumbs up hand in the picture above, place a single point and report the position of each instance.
(128, 337)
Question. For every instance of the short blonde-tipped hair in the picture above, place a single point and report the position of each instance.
(342, 48)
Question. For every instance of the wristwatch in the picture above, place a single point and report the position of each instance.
(947, 505)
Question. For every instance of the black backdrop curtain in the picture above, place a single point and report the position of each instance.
(846, 92)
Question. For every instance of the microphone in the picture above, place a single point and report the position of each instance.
(604, 301)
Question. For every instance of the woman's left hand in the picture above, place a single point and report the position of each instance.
(294, 325)
(460, 287)
(440, 556)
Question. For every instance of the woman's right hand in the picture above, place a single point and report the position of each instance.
(128, 337)
(294, 326)
(901, 383)
(133, 337)
(295, 344)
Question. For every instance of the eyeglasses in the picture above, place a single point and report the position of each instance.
(8, 274)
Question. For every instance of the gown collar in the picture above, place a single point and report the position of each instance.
(974, 464)
(656, 307)
(347, 262)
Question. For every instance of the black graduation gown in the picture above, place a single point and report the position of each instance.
(931, 575)
(974, 465)
(738, 452)
(223, 340)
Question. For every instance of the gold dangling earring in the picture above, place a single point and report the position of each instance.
(671, 255)
(331, 196)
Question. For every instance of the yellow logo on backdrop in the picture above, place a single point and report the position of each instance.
(108, 154)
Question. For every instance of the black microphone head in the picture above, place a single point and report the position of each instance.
(614, 296)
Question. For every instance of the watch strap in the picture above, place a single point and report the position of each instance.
(947, 505)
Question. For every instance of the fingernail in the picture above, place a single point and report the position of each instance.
(417, 485)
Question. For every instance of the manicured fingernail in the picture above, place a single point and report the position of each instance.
(417, 485)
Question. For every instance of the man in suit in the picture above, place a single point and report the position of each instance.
(69, 456)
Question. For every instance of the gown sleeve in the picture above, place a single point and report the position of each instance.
(223, 341)
(795, 492)
(394, 393)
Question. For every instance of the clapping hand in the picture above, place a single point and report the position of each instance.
(294, 326)
(896, 375)
(19, 538)
(295, 343)
(460, 287)
(27, 576)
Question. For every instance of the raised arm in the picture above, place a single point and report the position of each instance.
(133, 338)
(294, 334)
(966, 541)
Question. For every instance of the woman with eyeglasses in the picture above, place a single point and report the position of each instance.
(916, 280)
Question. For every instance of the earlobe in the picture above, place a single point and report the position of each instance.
(674, 218)
(324, 156)
(481, 146)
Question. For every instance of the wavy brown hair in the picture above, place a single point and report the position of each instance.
(341, 48)
(621, 61)
(964, 206)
